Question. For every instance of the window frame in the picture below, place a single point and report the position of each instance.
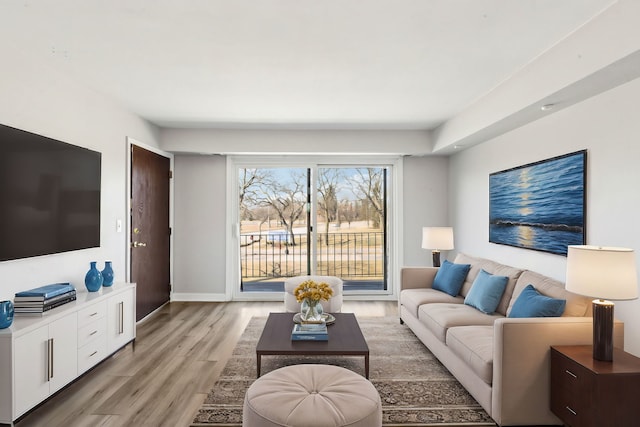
(394, 222)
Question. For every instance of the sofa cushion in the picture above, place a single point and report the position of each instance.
(486, 292)
(438, 318)
(450, 277)
(411, 299)
(577, 305)
(474, 346)
(492, 267)
(530, 303)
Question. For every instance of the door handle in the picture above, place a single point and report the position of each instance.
(138, 245)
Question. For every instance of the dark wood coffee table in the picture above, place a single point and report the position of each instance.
(345, 339)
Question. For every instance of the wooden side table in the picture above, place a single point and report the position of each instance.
(589, 392)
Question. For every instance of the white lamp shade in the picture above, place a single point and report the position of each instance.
(439, 238)
(602, 272)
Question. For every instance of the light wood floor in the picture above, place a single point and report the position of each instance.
(163, 379)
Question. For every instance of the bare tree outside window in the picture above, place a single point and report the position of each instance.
(367, 187)
(251, 181)
(347, 212)
(329, 182)
(287, 198)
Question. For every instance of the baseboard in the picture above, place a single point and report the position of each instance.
(199, 297)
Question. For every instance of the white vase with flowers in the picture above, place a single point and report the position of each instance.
(309, 294)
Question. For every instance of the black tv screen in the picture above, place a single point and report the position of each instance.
(49, 195)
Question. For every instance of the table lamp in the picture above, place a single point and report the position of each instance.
(437, 239)
(605, 273)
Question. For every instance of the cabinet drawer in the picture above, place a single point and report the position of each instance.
(94, 311)
(90, 354)
(570, 385)
(92, 331)
(569, 375)
(569, 407)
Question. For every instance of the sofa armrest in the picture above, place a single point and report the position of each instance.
(521, 364)
(417, 277)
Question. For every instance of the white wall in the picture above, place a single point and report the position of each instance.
(425, 204)
(199, 228)
(608, 126)
(200, 261)
(42, 101)
(296, 142)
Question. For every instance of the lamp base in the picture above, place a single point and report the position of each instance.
(603, 330)
(435, 255)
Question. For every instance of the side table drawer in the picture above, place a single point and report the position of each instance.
(92, 331)
(91, 313)
(90, 354)
(569, 374)
(569, 407)
(570, 386)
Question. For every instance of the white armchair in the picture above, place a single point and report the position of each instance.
(334, 305)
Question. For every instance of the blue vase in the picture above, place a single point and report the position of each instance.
(93, 278)
(6, 314)
(107, 274)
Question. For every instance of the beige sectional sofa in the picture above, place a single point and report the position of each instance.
(503, 362)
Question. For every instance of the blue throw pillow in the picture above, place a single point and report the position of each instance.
(450, 277)
(486, 292)
(530, 303)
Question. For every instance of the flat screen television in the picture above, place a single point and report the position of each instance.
(49, 195)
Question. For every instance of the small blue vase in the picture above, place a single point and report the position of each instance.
(93, 278)
(6, 314)
(107, 274)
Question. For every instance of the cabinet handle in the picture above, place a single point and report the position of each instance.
(93, 333)
(571, 410)
(570, 373)
(93, 314)
(121, 325)
(49, 359)
(93, 354)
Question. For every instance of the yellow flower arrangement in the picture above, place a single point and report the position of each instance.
(312, 291)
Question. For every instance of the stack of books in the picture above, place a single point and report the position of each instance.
(310, 332)
(36, 302)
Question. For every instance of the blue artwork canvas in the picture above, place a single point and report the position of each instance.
(541, 205)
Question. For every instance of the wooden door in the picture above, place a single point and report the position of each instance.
(150, 232)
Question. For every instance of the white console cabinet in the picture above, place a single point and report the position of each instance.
(40, 355)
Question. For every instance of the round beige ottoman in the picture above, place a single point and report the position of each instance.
(312, 396)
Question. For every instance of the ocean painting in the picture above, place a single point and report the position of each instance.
(540, 206)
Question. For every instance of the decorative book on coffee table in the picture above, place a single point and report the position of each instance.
(310, 332)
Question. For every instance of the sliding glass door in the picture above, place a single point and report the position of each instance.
(326, 220)
(274, 226)
(351, 214)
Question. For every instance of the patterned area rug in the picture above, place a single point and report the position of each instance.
(416, 390)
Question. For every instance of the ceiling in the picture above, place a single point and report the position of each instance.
(292, 64)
